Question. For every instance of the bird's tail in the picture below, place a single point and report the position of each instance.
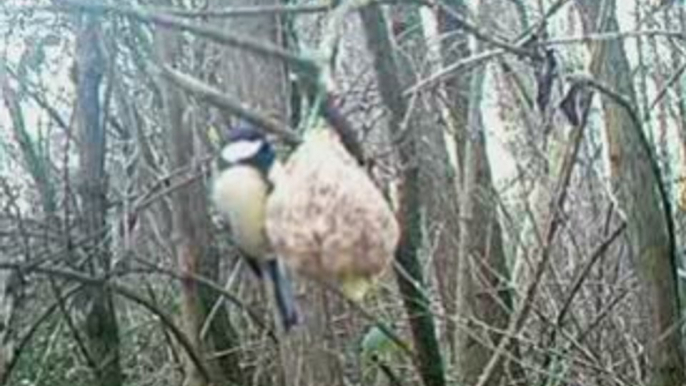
(283, 292)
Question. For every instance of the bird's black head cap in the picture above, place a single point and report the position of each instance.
(247, 146)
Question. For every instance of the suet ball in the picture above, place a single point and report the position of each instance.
(328, 220)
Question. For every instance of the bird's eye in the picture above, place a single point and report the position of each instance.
(241, 150)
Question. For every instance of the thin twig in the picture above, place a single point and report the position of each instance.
(485, 36)
(221, 100)
(583, 274)
(261, 10)
(523, 311)
(147, 15)
(662, 92)
(124, 292)
(210, 284)
(33, 328)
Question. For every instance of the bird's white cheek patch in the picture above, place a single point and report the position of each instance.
(240, 150)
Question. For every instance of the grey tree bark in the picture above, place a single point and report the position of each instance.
(307, 354)
(100, 325)
(484, 301)
(388, 70)
(192, 238)
(634, 180)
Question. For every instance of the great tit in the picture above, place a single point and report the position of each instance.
(240, 189)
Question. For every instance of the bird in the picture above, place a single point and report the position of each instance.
(326, 218)
(239, 191)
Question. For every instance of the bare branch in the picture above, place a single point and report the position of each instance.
(219, 99)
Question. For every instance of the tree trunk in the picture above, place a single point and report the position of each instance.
(101, 328)
(635, 181)
(441, 168)
(304, 355)
(484, 302)
(193, 244)
(482, 296)
(410, 279)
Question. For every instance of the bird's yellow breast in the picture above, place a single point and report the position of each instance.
(240, 194)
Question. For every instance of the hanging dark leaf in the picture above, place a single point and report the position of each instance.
(546, 73)
(576, 103)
